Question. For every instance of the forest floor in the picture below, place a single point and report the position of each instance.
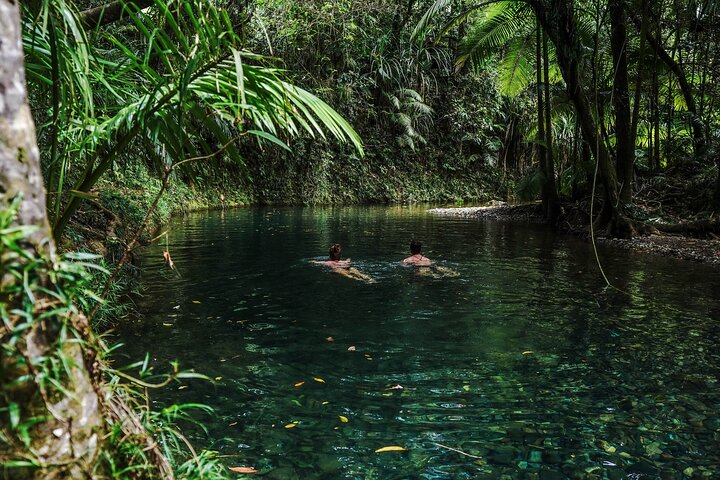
(705, 249)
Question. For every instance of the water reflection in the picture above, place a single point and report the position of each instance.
(525, 360)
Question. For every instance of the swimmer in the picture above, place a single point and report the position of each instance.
(417, 258)
(343, 267)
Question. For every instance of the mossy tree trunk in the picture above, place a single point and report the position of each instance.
(557, 18)
(64, 443)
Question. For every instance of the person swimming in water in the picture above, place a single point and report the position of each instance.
(417, 258)
(426, 267)
(343, 267)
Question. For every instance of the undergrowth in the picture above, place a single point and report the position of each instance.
(45, 299)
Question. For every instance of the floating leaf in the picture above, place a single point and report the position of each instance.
(330, 339)
(182, 387)
(320, 380)
(291, 425)
(466, 388)
(528, 352)
(167, 324)
(325, 403)
(392, 448)
(299, 384)
(196, 301)
(351, 348)
(395, 387)
(243, 469)
(295, 402)
(344, 419)
(217, 379)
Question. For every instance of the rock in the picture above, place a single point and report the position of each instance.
(551, 475)
(328, 464)
(503, 456)
(283, 473)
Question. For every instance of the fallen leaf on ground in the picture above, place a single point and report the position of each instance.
(392, 448)
(344, 419)
(320, 380)
(243, 469)
(299, 384)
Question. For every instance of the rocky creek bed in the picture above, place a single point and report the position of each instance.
(673, 245)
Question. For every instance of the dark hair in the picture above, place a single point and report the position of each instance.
(415, 247)
(334, 252)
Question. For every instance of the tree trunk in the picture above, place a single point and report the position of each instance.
(65, 444)
(552, 209)
(558, 19)
(625, 149)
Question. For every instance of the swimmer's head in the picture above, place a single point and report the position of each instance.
(334, 252)
(415, 247)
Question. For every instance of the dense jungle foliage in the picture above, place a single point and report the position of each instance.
(146, 108)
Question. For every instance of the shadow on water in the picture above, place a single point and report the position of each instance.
(523, 362)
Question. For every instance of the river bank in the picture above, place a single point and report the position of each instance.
(705, 250)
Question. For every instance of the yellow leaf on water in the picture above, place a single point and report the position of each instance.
(344, 419)
(291, 425)
(392, 448)
(528, 352)
(317, 379)
(243, 469)
(330, 339)
(325, 403)
(167, 324)
(299, 384)
(218, 378)
(182, 387)
(196, 301)
(389, 394)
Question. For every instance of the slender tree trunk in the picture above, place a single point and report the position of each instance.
(699, 143)
(541, 146)
(552, 209)
(65, 443)
(558, 19)
(621, 100)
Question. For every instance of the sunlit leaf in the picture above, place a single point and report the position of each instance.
(243, 469)
(392, 448)
(196, 301)
(528, 352)
(299, 384)
(167, 324)
(317, 379)
(343, 419)
(291, 425)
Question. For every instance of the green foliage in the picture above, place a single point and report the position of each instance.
(34, 292)
(180, 73)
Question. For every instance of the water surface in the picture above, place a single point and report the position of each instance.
(523, 365)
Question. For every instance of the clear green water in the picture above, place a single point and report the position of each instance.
(616, 386)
